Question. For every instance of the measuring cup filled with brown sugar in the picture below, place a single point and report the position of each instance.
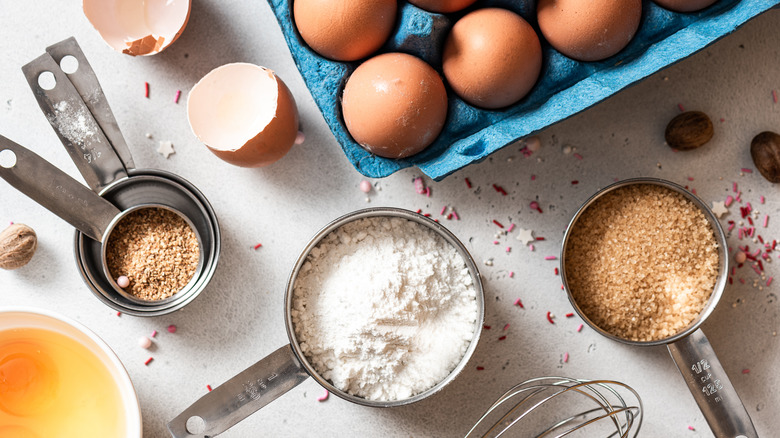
(125, 206)
(644, 263)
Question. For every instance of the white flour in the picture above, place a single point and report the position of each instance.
(384, 308)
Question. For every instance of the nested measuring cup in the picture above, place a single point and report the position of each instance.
(287, 367)
(69, 94)
(691, 351)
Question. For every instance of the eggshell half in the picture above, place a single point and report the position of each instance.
(138, 27)
(345, 30)
(394, 105)
(589, 30)
(443, 6)
(244, 114)
(492, 58)
(684, 5)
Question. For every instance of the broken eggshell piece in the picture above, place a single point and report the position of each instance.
(138, 27)
(244, 114)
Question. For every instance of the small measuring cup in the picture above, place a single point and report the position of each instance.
(69, 94)
(94, 216)
(692, 353)
(287, 367)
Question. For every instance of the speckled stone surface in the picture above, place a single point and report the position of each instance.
(239, 318)
(565, 87)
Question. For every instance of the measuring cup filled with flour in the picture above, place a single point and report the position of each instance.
(383, 308)
(644, 263)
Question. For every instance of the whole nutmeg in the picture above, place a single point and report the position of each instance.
(17, 246)
(689, 130)
(765, 150)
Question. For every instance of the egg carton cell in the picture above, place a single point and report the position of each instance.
(564, 88)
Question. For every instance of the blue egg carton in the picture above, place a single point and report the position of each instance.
(565, 86)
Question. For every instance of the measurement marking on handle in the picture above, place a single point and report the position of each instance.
(705, 377)
(253, 388)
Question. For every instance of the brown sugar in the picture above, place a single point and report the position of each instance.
(156, 250)
(641, 262)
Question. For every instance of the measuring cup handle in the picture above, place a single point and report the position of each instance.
(240, 396)
(711, 387)
(56, 190)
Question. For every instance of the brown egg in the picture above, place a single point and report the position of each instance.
(589, 30)
(443, 6)
(345, 30)
(684, 5)
(394, 105)
(244, 114)
(492, 58)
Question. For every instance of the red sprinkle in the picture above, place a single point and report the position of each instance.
(774, 96)
(468, 183)
(118, 313)
(550, 318)
(540, 238)
(148, 361)
(556, 271)
(569, 315)
(480, 368)
(208, 387)
(519, 303)
(500, 189)
(171, 328)
(680, 107)
(535, 206)
(506, 326)
(324, 397)
(502, 338)
(498, 223)
(577, 156)
(486, 327)
(178, 95)
(258, 246)
(146, 89)
(745, 371)
(575, 182)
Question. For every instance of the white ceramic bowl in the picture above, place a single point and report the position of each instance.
(29, 317)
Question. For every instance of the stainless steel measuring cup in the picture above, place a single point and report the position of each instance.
(69, 94)
(287, 367)
(692, 353)
(92, 215)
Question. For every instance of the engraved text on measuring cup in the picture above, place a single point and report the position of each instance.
(254, 388)
(710, 386)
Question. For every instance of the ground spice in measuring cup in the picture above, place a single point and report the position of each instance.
(156, 249)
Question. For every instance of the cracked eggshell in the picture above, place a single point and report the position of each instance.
(138, 27)
(244, 114)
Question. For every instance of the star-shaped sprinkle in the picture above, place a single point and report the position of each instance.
(719, 208)
(525, 236)
(166, 149)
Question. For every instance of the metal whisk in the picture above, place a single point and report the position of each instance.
(573, 407)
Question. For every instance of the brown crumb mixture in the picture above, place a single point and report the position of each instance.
(642, 262)
(157, 251)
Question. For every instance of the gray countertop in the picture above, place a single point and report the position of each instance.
(239, 318)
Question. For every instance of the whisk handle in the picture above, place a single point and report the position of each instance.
(711, 387)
